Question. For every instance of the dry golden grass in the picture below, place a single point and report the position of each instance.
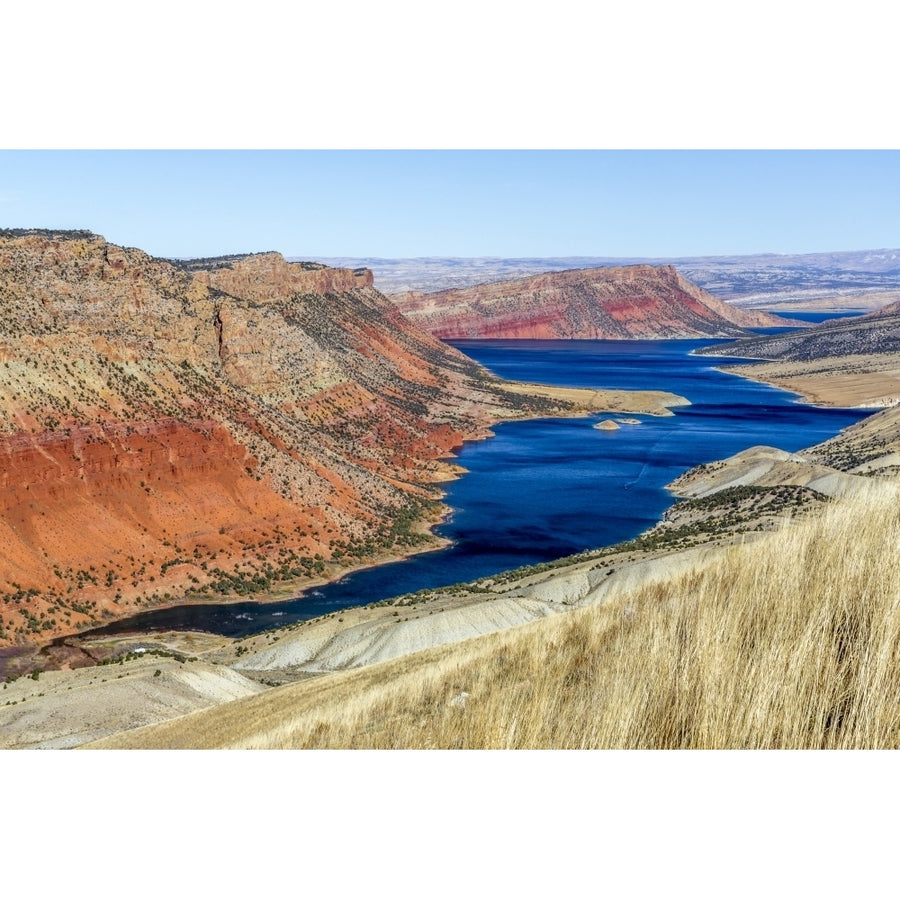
(790, 642)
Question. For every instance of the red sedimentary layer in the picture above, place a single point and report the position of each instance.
(617, 302)
(93, 521)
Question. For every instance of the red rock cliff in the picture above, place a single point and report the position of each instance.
(170, 431)
(614, 303)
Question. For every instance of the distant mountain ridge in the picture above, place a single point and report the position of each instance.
(624, 302)
(746, 279)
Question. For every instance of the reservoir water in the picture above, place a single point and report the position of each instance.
(546, 488)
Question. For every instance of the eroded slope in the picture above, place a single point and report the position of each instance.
(219, 430)
(614, 303)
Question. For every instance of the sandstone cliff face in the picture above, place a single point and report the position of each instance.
(85, 287)
(168, 430)
(613, 303)
(266, 277)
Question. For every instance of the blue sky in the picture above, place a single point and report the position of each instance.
(313, 203)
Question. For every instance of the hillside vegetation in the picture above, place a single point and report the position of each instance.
(877, 332)
(792, 641)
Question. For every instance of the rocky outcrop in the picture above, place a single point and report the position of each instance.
(171, 430)
(613, 303)
(266, 277)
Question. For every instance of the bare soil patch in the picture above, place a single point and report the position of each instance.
(862, 381)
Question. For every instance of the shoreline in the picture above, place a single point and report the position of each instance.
(449, 472)
(293, 590)
(584, 403)
(866, 390)
(798, 397)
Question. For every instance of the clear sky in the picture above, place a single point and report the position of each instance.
(388, 203)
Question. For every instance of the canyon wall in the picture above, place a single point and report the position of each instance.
(622, 302)
(174, 430)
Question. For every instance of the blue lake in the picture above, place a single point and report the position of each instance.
(545, 488)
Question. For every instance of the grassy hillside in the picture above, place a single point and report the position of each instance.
(792, 641)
